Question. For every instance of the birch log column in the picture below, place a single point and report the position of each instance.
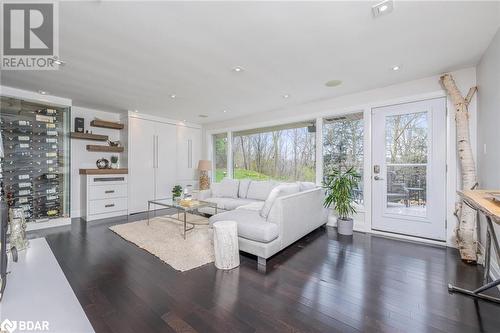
(466, 230)
(227, 254)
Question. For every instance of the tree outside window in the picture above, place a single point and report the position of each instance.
(284, 153)
(343, 146)
(220, 156)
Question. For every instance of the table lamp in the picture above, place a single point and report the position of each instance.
(204, 166)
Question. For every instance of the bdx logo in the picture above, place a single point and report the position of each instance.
(29, 35)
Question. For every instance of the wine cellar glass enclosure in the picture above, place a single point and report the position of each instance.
(35, 167)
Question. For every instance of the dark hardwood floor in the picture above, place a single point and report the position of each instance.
(323, 283)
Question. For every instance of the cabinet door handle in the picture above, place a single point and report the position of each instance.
(157, 153)
(190, 151)
(154, 152)
(110, 205)
(109, 191)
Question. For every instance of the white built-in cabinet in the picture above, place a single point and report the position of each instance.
(161, 154)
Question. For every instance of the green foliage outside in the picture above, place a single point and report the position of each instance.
(254, 175)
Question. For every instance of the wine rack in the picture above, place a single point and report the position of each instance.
(35, 167)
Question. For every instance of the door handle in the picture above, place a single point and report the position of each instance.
(154, 152)
(378, 178)
(109, 191)
(157, 153)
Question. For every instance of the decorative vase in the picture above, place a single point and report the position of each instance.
(114, 165)
(204, 180)
(17, 221)
(345, 226)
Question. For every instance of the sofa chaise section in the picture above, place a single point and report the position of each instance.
(290, 218)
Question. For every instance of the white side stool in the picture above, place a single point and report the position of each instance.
(227, 255)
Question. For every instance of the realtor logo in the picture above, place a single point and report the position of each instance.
(30, 35)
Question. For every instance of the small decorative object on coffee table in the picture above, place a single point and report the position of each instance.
(227, 255)
(203, 167)
(176, 192)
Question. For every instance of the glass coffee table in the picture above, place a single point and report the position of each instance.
(183, 208)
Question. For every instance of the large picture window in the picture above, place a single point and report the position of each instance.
(285, 153)
(220, 156)
(343, 146)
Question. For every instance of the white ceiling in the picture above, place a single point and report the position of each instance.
(134, 55)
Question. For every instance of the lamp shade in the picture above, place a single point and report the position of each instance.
(204, 165)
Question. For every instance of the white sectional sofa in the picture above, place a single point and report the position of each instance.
(270, 215)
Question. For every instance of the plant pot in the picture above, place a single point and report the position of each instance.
(344, 226)
(332, 220)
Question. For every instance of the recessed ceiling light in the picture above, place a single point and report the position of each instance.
(385, 7)
(42, 92)
(333, 83)
(173, 96)
(203, 116)
(396, 68)
(58, 61)
(286, 96)
(225, 111)
(238, 69)
(136, 110)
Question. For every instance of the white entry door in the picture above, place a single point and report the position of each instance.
(409, 169)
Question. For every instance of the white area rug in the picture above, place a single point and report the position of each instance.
(163, 238)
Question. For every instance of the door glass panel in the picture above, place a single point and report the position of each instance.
(406, 147)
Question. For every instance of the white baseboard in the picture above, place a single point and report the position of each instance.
(49, 224)
(356, 227)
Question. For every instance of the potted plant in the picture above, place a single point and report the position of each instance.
(339, 193)
(176, 192)
(114, 162)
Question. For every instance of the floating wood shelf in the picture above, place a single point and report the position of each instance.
(89, 136)
(105, 148)
(106, 124)
(121, 171)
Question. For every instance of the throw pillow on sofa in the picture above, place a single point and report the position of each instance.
(259, 190)
(279, 191)
(244, 184)
(228, 188)
(305, 186)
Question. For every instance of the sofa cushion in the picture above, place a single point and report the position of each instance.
(250, 225)
(260, 190)
(257, 205)
(227, 188)
(242, 192)
(279, 191)
(230, 203)
(305, 186)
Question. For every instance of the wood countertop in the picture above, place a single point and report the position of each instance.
(121, 171)
(483, 201)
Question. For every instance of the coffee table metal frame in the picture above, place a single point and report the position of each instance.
(170, 203)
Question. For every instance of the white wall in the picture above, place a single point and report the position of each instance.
(488, 75)
(409, 91)
(81, 158)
